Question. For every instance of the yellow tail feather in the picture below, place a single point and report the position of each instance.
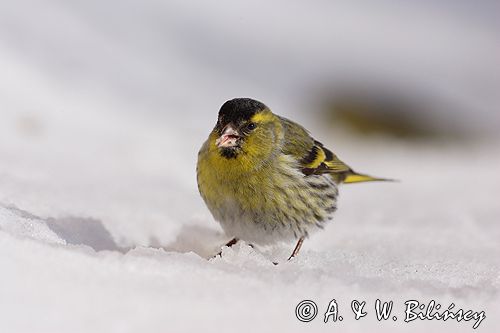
(359, 178)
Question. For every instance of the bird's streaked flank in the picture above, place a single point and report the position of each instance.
(265, 179)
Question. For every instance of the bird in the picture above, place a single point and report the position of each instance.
(265, 179)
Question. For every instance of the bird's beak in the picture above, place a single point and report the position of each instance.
(228, 138)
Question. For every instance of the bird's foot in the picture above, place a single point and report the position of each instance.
(295, 250)
(228, 244)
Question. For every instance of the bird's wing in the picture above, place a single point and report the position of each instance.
(315, 159)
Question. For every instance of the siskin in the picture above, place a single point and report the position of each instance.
(265, 179)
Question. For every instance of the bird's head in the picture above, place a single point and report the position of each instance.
(246, 127)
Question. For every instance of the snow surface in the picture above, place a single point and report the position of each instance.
(103, 108)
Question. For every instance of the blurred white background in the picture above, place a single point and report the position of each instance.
(104, 105)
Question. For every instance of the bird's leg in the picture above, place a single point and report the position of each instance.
(297, 248)
(228, 244)
(232, 242)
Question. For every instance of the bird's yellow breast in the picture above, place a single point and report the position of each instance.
(239, 179)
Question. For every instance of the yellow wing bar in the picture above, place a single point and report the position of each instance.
(320, 160)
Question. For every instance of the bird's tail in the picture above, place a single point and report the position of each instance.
(354, 177)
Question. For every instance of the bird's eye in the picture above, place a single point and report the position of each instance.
(251, 126)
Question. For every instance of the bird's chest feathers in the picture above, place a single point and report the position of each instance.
(238, 182)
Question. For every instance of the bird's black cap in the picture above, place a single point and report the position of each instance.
(239, 109)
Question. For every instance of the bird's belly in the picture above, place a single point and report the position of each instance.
(275, 210)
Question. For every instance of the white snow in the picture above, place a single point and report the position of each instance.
(104, 106)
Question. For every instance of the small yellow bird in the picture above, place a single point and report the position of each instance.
(265, 179)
